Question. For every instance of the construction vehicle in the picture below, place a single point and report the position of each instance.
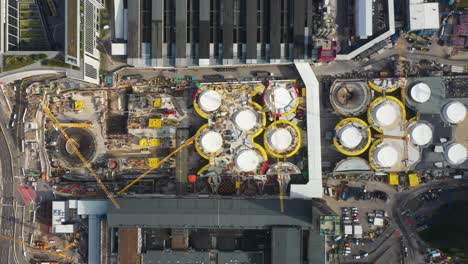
(41, 245)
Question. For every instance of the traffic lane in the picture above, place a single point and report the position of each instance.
(8, 216)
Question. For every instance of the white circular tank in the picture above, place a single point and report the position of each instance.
(385, 155)
(456, 154)
(420, 93)
(211, 142)
(245, 119)
(209, 100)
(247, 160)
(454, 112)
(282, 97)
(280, 139)
(386, 113)
(420, 133)
(349, 136)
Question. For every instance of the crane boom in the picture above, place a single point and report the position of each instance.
(187, 143)
(80, 125)
(80, 156)
(403, 98)
(389, 136)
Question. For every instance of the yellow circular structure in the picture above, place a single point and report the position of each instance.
(371, 151)
(383, 154)
(203, 169)
(377, 88)
(385, 112)
(282, 139)
(206, 102)
(357, 133)
(197, 144)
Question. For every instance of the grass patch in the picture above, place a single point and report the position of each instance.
(27, 15)
(461, 5)
(26, 6)
(30, 33)
(13, 62)
(27, 23)
(58, 61)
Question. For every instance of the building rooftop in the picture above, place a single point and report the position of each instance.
(286, 245)
(210, 213)
(423, 16)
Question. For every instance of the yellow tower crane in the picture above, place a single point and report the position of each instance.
(80, 156)
(403, 97)
(78, 125)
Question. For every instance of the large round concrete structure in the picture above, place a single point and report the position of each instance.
(419, 93)
(247, 160)
(211, 142)
(352, 137)
(209, 100)
(78, 138)
(384, 155)
(281, 98)
(246, 119)
(455, 154)
(208, 142)
(386, 113)
(282, 139)
(420, 133)
(454, 112)
(350, 98)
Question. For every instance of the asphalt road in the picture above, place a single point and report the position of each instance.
(11, 221)
(8, 220)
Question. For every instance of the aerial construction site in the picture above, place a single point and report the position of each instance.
(165, 137)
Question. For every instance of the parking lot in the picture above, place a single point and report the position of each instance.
(364, 218)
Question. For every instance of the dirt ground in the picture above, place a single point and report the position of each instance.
(461, 133)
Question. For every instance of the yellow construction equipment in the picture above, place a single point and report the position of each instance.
(157, 103)
(155, 123)
(153, 162)
(403, 97)
(187, 143)
(78, 105)
(69, 246)
(393, 179)
(79, 125)
(413, 180)
(39, 246)
(155, 142)
(80, 156)
(143, 143)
